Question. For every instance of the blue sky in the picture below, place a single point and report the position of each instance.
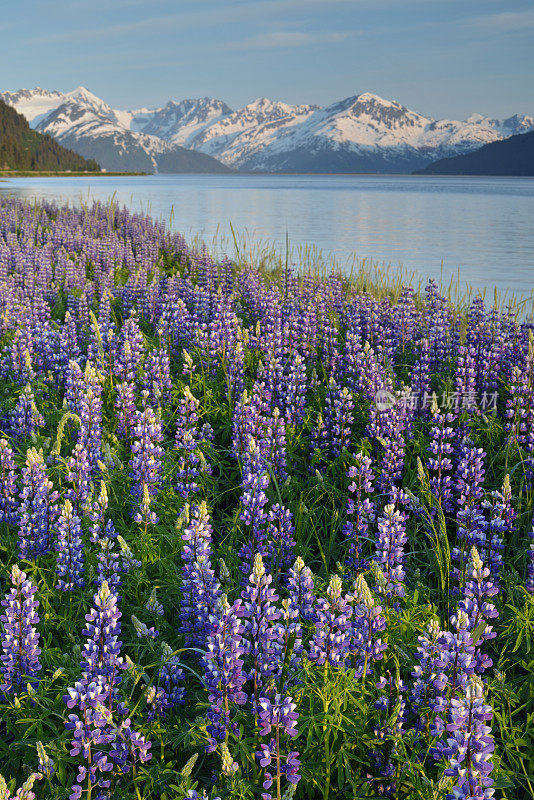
(446, 58)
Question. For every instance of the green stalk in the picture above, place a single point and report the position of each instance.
(326, 729)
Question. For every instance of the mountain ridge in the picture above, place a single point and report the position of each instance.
(361, 133)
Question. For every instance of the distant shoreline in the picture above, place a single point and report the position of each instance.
(11, 173)
(243, 173)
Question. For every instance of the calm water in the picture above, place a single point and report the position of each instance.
(479, 228)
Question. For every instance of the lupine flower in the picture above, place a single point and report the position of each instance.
(26, 418)
(477, 592)
(100, 740)
(390, 434)
(171, 678)
(520, 402)
(301, 589)
(131, 352)
(129, 562)
(253, 502)
(465, 380)
(360, 510)
(38, 509)
(280, 541)
(224, 676)
(424, 671)
(453, 666)
(200, 588)
(89, 409)
(391, 706)
(440, 463)
(287, 644)
(367, 624)
(471, 523)
(108, 565)
(280, 716)
(187, 442)
(79, 475)
(146, 462)
(44, 762)
(96, 510)
(69, 547)
(390, 541)
(157, 372)
(153, 605)
(228, 765)
(142, 630)
(420, 378)
(259, 612)
(20, 640)
(530, 563)
(338, 418)
(224, 573)
(126, 410)
(470, 745)
(24, 793)
(330, 643)
(295, 390)
(500, 525)
(8, 486)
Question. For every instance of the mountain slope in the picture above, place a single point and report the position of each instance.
(513, 156)
(180, 122)
(86, 124)
(91, 129)
(363, 133)
(22, 148)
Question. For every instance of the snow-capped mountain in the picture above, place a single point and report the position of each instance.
(180, 122)
(86, 124)
(361, 133)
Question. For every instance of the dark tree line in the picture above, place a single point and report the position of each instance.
(22, 148)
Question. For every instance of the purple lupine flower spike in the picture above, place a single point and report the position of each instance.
(69, 546)
(330, 643)
(38, 509)
(188, 441)
(8, 485)
(259, 613)
(301, 589)
(278, 717)
(390, 541)
(200, 587)
(101, 740)
(146, 462)
(368, 623)
(470, 744)
(20, 639)
(224, 676)
(360, 510)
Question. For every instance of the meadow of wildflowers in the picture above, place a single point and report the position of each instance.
(262, 534)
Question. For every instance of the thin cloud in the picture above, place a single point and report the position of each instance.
(278, 39)
(504, 22)
(221, 14)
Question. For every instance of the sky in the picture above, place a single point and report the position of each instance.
(443, 58)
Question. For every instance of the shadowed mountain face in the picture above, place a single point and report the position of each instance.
(363, 133)
(513, 156)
